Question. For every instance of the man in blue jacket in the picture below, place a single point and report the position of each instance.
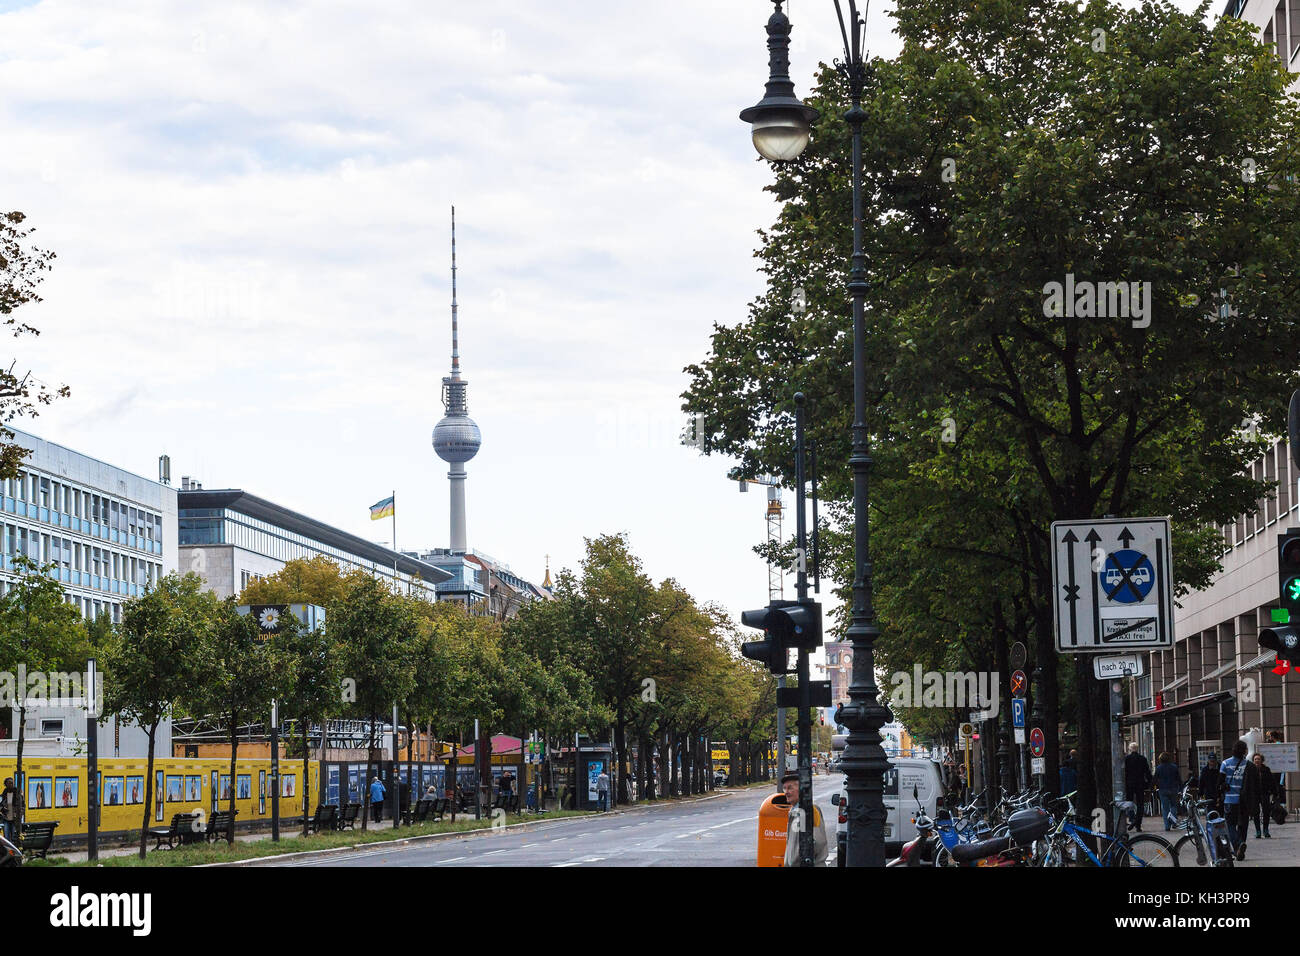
(377, 798)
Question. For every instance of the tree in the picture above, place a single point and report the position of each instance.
(22, 269)
(149, 662)
(237, 671)
(1010, 147)
(40, 631)
(378, 634)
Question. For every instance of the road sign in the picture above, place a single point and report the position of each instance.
(1018, 712)
(1019, 684)
(1038, 765)
(1018, 655)
(1037, 742)
(1108, 668)
(965, 730)
(1020, 735)
(1112, 584)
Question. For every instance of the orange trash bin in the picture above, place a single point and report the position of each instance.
(773, 821)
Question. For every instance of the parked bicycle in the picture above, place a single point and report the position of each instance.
(1066, 843)
(1205, 844)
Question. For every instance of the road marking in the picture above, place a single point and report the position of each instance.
(452, 860)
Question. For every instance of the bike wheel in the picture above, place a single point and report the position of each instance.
(1147, 849)
(1190, 852)
(1053, 856)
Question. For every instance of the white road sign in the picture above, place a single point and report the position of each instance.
(1020, 734)
(1108, 668)
(1112, 585)
(1038, 765)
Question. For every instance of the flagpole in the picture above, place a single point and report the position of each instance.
(396, 580)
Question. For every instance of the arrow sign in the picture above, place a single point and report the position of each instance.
(1127, 585)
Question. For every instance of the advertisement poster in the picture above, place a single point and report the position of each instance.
(113, 791)
(134, 790)
(65, 789)
(261, 791)
(174, 788)
(243, 786)
(194, 787)
(594, 769)
(158, 796)
(38, 793)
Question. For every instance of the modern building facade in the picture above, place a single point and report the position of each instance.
(231, 538)
(108, 532)
(1278, 24)
(480, 582)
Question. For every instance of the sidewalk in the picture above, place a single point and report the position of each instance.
(1282, 850)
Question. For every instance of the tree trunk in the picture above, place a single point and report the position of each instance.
(365, 784)
(620, 746)
(305, 723)
(148, 791)
(22, 784)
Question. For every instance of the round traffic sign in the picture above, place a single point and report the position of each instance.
(1127, 576)
(1037, 743)
(966, 730)
(1019, 684)
(1018, 656)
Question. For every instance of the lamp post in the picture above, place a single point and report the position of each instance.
(780, 125)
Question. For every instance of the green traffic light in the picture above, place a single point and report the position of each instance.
(1293, 589)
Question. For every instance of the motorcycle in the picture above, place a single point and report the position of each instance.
(10, 855)
(921, 850)
(1013, 848)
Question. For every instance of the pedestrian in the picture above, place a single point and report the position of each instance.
(1239, 784)
(1267, 796)
(507, 784)
(602, 790)
(11, 809)
(1168, 783)
(789, 796)
(377, 798)
(1069, 773)
(1209, 782)
(1137, 780)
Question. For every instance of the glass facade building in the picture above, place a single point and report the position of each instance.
(104, 533)
(232, 538)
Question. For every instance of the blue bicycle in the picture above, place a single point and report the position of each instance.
(1066, 846)
(1208, 843)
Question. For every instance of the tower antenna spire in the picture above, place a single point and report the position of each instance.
(455, 332)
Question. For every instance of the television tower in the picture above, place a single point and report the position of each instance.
(456, 439)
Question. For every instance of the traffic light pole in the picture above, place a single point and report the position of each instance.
(805, 681)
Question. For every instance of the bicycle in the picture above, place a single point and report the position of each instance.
(1062, 845)
(1212, 836)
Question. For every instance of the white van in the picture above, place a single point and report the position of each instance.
(900, 807)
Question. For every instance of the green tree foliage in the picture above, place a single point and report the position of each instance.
(1009, 146)
(150, 660)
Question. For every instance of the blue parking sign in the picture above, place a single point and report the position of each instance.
(1017, 712)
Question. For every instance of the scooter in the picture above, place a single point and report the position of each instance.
(919, 851)
(10, 855)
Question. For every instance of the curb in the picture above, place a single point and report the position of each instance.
(450, 835)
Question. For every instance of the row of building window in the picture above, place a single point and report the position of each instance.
(89, 607)
(83, 565)
(1275, 465)
(55, 502)
(221, 526)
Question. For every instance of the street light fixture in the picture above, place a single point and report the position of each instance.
(781, 123)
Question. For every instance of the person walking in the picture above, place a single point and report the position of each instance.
(377, 798)
(1168, 783)
(1070, 773)
(1208, 785)
(1267, 797)
(1137, 780)
(602, 790)
(11, 809)
(1239, 784)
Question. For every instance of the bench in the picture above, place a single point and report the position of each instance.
(348, 817)
(325, 818)
(221, 822)
(36, 838)
(181, 831)
(431, 809)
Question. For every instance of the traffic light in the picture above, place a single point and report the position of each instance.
(786, 626)
(1283, 637)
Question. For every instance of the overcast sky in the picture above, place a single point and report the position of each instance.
(250, 204)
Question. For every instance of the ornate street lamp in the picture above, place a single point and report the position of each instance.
(781, 126)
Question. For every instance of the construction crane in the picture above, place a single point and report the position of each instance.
(775, 575)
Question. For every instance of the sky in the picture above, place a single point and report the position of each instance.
(250, 205)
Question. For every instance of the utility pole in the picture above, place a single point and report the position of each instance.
(806, 808)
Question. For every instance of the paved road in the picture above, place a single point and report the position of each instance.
(718, 831)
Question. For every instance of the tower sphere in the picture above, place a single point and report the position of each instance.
(456, 439)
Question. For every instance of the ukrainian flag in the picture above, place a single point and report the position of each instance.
(381, 509)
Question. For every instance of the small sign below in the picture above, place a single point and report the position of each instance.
(1038, 765)
(1020, 735)
(1109, 668)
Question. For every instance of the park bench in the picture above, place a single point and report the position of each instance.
(326, 815)
(36, 838)
(431, 809)
(348, 818)
(219, 824)
(180, 831)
